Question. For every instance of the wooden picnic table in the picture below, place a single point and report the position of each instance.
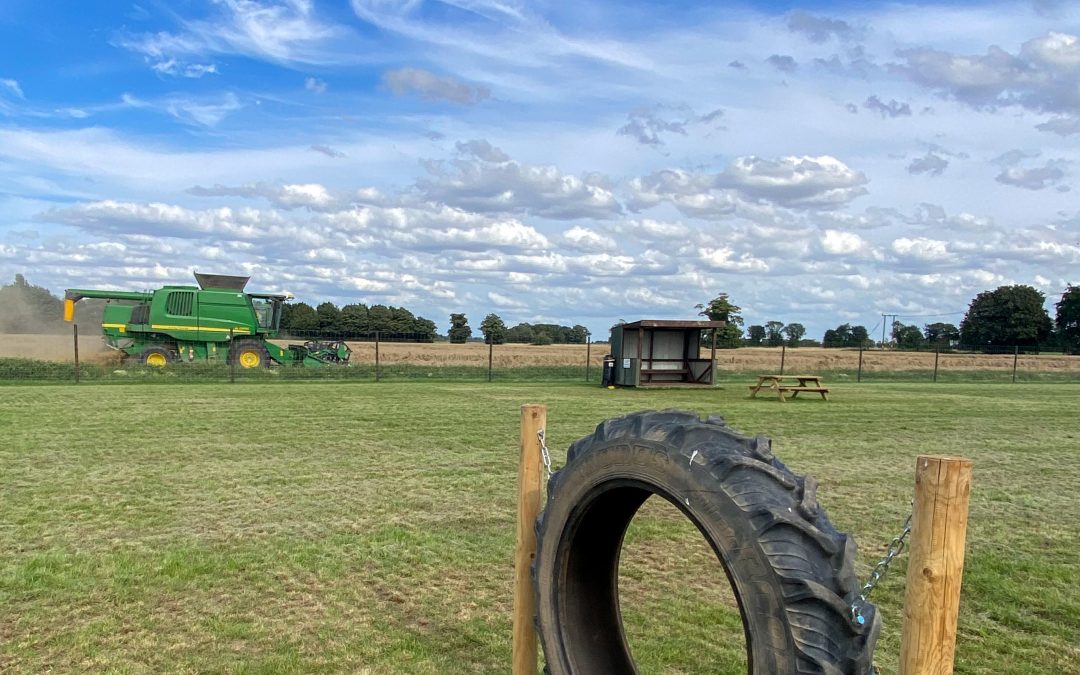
(789, 384)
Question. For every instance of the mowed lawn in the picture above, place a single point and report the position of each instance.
(363, 527)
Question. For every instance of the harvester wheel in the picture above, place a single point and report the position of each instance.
(249, 354)
(791, 572)
(156, 357)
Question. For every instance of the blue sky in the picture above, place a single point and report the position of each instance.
(551, 162)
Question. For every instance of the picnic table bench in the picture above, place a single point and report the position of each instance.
(789, 384)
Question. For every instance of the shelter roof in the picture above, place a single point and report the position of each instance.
(662, 323)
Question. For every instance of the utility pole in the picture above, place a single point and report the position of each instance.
(884, 323)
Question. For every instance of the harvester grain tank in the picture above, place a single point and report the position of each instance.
(214, 321)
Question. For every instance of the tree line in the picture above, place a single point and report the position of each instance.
(1006, 317)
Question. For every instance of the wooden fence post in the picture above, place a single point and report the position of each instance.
(937, 355)
(378, 374)
(858, 378)
(936, 565)
(533, 419)
(783, 355)
(491, 351)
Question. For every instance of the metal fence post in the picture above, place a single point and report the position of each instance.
(858, 377)
(232, 359)
(1016, 357)
(937, 355)
(378, 374)
(491, 351)
(75, 334)
(588, 355)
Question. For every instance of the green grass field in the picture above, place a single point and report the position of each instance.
(362, 527)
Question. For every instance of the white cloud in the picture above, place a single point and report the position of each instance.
(316, 85)
(835, 242)
(587, 240)
(281, 31)
(12, 86)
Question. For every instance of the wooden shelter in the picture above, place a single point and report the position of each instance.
(656, 353)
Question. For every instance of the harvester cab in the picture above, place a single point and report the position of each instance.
(215, 321)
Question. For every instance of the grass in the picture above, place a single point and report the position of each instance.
(363, 527)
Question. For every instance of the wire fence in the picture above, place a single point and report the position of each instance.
(410, 357)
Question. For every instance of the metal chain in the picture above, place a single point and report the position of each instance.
(896, 546)
(544, 453)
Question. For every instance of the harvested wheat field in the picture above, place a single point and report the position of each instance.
(747, 359)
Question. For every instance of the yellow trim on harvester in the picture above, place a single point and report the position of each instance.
(122, 327)
(211, 329)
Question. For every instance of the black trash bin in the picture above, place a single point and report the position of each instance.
(607, 378)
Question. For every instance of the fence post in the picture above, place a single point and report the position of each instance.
(533, 420)
(491, 351)
(936, 566)
(75, 338)
(783, 355)
(937, 355)
(1016, 357)
(232, 359)
(858, 377)
(588, 355)
(378, 374)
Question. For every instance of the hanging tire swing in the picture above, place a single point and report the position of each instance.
(791, 572)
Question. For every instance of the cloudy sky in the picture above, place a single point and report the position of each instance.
(573, 162)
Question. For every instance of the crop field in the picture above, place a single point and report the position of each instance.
(471, 360)
(369, 527)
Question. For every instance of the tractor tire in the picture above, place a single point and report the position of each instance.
(249, 354)
(155, 357)
(791, 572)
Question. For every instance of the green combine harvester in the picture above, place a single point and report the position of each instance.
(216, 321)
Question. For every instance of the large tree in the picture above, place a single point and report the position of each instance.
(907, 337)
(774, 333)
(459, 329)
(299, 317)
(494, 329)
(721, 308)
(941, 335)
(1068, 320)
(755, 335)
(1006, 316)
(795, 333)
(329, 317)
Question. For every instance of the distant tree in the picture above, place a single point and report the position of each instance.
(774, 335)
(329, 317)
(541, 337)
(299, 317)
(354, 319)
(860, 337)
(721, 308)
(459, 329)
(1067, 320)
(425, 329)
(845, 335)
(1008, 315)
(794, 333)
(494, 330)
(521, 333)
(941, 335)
(906, 337)
(578, 335)
(755, 335)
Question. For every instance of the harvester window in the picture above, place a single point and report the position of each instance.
(179, 303)
(264, 312)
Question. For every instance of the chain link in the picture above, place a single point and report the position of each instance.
(896, 546)
(544, 453)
